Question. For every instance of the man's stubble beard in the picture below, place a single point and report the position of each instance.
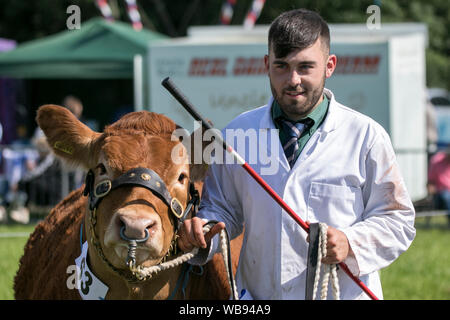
(305, 108)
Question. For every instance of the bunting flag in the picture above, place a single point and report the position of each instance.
(227, 11)
(105, 9)
(134, 15)
(253, 13)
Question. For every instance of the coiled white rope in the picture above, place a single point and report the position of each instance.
(329, 271)
(224, 243)
(143, 273)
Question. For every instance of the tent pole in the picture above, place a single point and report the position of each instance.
(138, 82)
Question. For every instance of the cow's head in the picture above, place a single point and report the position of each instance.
(139, 139)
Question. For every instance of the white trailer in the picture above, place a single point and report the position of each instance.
(380, 73)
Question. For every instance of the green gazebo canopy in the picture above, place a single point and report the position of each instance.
(100, 49)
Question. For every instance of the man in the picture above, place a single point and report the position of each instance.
(340, 170)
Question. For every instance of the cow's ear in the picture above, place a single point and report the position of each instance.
(67, 136)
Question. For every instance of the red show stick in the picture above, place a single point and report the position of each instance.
(170, 86)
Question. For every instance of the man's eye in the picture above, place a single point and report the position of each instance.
(280, 68)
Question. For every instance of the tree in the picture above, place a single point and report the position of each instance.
(27, 20)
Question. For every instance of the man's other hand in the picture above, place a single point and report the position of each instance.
(191, 234)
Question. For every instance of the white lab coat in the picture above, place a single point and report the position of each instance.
(346, 176)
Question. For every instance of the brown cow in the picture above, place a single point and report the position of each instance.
(139, 139)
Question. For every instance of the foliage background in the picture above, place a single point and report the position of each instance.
(27, 20)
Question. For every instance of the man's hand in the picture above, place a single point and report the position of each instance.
(338, 247)
(191, 234)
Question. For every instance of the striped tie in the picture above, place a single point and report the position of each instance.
(294, 130)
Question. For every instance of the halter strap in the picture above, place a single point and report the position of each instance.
(141, 177)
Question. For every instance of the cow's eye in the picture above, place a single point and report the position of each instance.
(182, 177)
(101, 169)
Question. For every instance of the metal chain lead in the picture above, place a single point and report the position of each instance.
(132, 246)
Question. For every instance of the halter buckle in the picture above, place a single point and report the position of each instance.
(102, 188)
(176, 207)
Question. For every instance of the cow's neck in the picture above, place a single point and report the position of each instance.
(159, 287)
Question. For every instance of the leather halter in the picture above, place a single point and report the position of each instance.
(140, 177)
(145, 178)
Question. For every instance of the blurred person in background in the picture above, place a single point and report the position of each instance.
(431, 125)
(70, 102)
(74, 105)
(3, 185)
(43, 183)
(76, 177)
(17, 159)
(439, 180)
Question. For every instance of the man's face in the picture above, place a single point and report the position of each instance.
(297, 80)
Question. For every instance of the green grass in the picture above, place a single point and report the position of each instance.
(11, 249)
(421, 273)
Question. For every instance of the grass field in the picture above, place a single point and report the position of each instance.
(11, 249)
(421, 273)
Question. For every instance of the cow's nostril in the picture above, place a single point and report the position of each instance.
(151, 224)
(133, 228)
(124, 237)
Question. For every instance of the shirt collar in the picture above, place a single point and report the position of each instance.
(317, 115)
(329, 124)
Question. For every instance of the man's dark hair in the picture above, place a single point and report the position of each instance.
(297, 29)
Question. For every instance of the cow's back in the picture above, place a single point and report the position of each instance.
(50, 250)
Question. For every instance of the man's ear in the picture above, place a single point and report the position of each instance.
(266, 63)
(331, 65)
(68, 137)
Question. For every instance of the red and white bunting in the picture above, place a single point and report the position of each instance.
(227, 11)
(105, 9)
(134, 15)
(253, 13)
